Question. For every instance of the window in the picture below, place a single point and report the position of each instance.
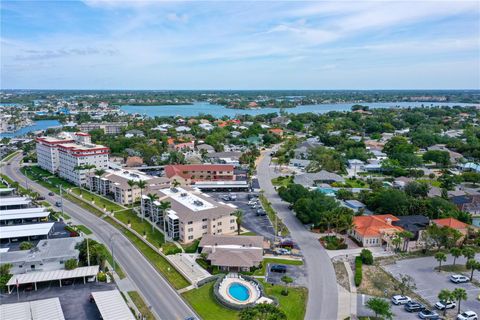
(190, 237)
(205, 219)
(232, 220)
(204, 227)
(190, 222)
(190, 230)
(232, 228)
(219, 224)
(219, 230)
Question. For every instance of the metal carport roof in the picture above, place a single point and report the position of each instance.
(46, 309)
(40, 276)
(112, 306)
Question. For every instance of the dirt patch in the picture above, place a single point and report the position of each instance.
(342, 275)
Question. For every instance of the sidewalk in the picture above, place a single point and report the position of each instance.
(188, 267)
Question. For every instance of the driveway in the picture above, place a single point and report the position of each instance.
(430, 283)
(321, 280)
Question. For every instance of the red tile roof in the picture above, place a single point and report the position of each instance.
(374, 225)
(450, 222)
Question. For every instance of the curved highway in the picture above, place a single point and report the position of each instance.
(158, 293)
(321, 279)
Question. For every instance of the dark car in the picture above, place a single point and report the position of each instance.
(413, 306)
(51, 194)
(40, 198)
(278, 268)
(261, 212)
(252, 196)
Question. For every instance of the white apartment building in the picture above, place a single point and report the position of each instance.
(192, 214)
(75, 155)
(64, 155)
(114, 183)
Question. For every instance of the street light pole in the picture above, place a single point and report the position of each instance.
(61, 201)
(112, 238)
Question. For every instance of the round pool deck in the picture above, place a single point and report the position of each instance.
(254, 293)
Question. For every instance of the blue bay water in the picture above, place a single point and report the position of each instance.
(220, 111)
(38, 125)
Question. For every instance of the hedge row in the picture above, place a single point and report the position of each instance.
(358, 271)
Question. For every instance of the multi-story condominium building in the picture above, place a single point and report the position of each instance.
(191, 215)
(73, 156)
(66, 155)
(114, 183)
(107, 127)
(47, 148)
(191, 173)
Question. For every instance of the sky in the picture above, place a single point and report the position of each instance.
(107, 44)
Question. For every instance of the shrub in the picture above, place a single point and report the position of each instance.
(333, 243)
(71, 264)
(25, 245)
(358, 271)
(102, 276)
(172, 250)
(366, 256)
(284, 292)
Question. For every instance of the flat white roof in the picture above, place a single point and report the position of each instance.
(47, 309)
(26, 213)
(14, 201)
(25, 230)
(188, 199)
(34, 310)
(112, 306)
(40, 276)
(134, 175)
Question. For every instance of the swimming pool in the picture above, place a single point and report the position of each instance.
(239, 292)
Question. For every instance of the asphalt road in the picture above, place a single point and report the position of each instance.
(158, 293)
(322, 282)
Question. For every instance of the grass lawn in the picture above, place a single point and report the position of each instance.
(294, 304)
(84, 229)
(159, 262)
(84, 205)
(453, 268)
(191, 247)
(142, 307)
(261, 271)
(45, 178)
(45, 204)
(58, 214)
(10, 156)
(433, 183)
(249, 233)
(272, 214)
(204, 303)
(99, 201)
(282, 181)
(155, 237)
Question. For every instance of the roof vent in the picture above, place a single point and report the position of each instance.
(184, 194)
(198, 203)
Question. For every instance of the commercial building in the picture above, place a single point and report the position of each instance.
(233, 253)
(190, 174)
(48, 255)
(114, 183)
(107, 127)
(191, 215)
(375, 230)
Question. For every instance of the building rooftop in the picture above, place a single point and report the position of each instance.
(26, 213)
(33, 310)
(112, 306)
(372, 226)
(233, 251)
(450, 222)
(14, 201)
(41, 276)
(183, 169)
(25, 230)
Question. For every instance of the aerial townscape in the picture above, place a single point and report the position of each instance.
(146, 176)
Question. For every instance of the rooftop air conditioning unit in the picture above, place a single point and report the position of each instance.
(198, 203)
(184, 194)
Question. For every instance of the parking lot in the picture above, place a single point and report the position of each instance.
(297, 273)
(399, 312)
(429, 282)
(261, 225)
(74, 298)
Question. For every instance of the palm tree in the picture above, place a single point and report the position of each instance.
(141, 184)
(406, 236)
(445, 295)
(473, 265)
(239, 215)
(164, 206)
(396, 241)
(131, 184)
(175, 183)
(456, 252)
(99, 173)
(152, 197)
(440, 257)
(459, 294)
(89, 167)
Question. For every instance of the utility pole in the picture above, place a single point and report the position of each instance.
(111, 249)
(88, 254)
(61, 200)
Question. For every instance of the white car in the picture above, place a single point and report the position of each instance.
(467, 315)
(399, 299)
(458, 278)
(441, 305)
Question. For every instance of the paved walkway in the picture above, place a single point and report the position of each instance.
(186, 264)
(376, 251)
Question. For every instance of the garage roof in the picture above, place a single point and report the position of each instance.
(41, 276)
(112, 306)
(36, 310)
(25, 230)
(26, 213)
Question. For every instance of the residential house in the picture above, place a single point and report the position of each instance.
(312, 179)
(374, 230)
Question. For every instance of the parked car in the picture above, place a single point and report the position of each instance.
(40, 198)
(399, 299)
(261, 212)
(467, 315)
(441, 305)
(413, 306)
(58, 204)
(459, 278)
(252, 202)
(252, 196)
(226, 198)
(278, 268)
(282, 251)
(51, 194)
(428, 314)
(92, 279)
